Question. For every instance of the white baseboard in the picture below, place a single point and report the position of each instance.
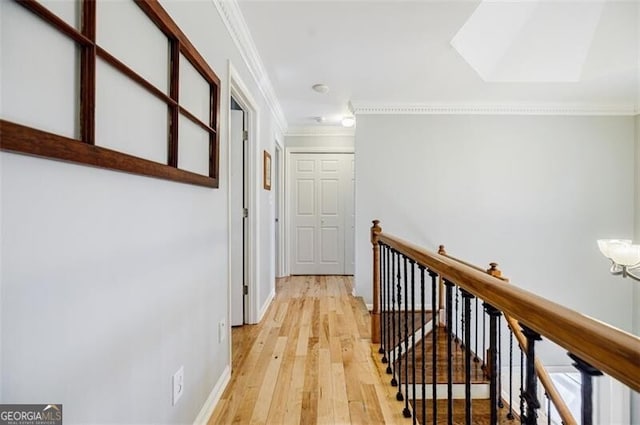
(266, 305)
(214, 397)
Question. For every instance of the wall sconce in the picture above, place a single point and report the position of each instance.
(625, 257)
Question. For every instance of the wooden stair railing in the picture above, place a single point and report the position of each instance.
(596, 347)
(545, 379)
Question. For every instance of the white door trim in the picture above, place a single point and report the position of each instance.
(280, 267)
(242, 95)
(287, 197)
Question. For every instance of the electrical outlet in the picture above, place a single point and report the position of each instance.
(178, 385)
(222, 330)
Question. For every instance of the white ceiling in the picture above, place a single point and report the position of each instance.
(390, 53)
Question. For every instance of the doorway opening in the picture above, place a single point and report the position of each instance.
(239, 208)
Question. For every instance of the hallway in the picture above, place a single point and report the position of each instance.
(308, 362)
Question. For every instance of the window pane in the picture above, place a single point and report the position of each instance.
(40, 73)
(127, 33)
(193, 147)
(128, 118)
(67, 10)
(194, 91)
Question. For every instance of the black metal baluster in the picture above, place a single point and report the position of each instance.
(476, 358)
(466, 300)
(381, 350)
(423, 343)
(435, 317)
(499, 371)
(462, 323)
(548, 408)
(510, 414)
(399, 396)
(413, 333)
(387, 318)
(493, 361)
(521, 386)
(449, 294)
(390, 346)
(587, 372)
(406, 412)
(383, 303)
(484, 339)
(392, 364)
(456, 315)
(531, 392)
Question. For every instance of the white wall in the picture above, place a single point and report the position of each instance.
(530, 192)
(201, 23)
(110, 281)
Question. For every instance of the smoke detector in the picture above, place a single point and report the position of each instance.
(320, 88)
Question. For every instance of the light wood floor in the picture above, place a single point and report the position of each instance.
(309, 361)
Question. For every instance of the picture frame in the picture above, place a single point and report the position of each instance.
(266, 170)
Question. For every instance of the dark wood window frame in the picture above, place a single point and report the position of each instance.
(15, 137)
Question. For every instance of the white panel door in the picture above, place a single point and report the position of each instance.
(236, 187)
(320, 187)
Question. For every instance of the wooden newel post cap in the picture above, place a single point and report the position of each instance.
(494, 270)
(375, 231)
(441, 250)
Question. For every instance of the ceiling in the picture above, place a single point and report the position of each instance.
(380, 54)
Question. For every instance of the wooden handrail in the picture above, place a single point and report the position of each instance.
(545, 379)
(609, 349)
(552, 392)
(541, 372)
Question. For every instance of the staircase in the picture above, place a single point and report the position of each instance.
(458, 342)
(421, 397)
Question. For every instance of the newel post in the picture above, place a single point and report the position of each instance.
(493, 270)
(375, 314)
(441, 306)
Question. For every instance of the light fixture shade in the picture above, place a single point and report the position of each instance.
(348, 121)
(625, 255)
(606, 245)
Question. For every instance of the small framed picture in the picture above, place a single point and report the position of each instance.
(266, 170)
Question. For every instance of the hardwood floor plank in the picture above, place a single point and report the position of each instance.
(267, 394)
(308, 362)
(325, 389)
(294, 401)
(372, 404)
(339, 395)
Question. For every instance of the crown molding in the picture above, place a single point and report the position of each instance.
(231, 15)
(320, 131)
(365, 108)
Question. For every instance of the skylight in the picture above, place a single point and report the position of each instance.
(529, 41)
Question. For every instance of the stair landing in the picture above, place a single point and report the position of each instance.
(480, 413)
(413, 319)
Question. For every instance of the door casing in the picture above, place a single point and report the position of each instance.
(242, 95)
